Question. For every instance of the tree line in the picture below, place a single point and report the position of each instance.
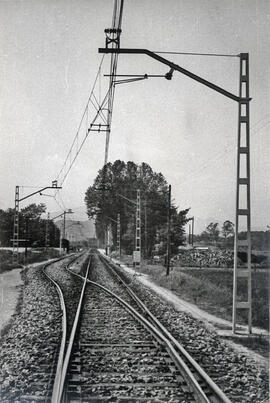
(212, 233)
(31, 227)
(224, 237)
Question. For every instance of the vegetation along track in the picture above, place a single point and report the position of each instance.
(121, 352)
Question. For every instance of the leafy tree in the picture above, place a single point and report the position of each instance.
(31, 226)
(104, 201)
(212, 232)
(227, 230)
(6, 226)
(177, 232)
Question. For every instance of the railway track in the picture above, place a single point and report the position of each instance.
(117, 350)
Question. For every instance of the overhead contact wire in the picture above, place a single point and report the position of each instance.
(82, 118)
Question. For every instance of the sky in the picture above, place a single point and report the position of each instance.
(49, 60)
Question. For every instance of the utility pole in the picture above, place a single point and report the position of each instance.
(243, 188)
(47, 232)
(16, 226)
(137, 253)
(145, 229)
(168, 260)
(26, 238)
(112, 40)
(69, 211)
(119, 235)
(108, 240)
(192, 231)
(64, 226)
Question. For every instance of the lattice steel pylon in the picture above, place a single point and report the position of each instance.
(47, 232)
(16, 226)
(138, 230)
(118, 240)
(243, 195)
(113, 40)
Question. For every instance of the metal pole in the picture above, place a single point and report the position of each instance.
(64, 229)
(16, 226)
(118, 235)
(138, 230)
(60, 240)
(192, 231)
(47, 234)
(243, 183)
(145, 229)
(169, 233)
(26, 238)
(108, 239)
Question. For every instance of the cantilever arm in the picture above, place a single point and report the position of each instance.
(176, 67)
(38, 191)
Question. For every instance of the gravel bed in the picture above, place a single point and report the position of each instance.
(120, 359)
(71, 286)
(29, 347)
(99, 274)
(235, 373)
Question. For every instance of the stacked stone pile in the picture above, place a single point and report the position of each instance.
(206, 258)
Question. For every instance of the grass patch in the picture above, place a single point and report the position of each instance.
(259, 344)
(212, 290)
(6, 260)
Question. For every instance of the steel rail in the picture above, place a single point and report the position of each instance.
(64, 367)
(181, 365)
(57, 378)
(56, 393)
(216, 390)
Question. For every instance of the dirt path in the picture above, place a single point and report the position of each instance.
(10, 283)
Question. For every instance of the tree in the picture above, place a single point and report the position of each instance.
(177, 233)
(227, 229)
(212, 232)
(103, 202)
(6, 226)
(31, 226)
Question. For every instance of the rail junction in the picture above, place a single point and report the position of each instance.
(115, 323)
(92, 338)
